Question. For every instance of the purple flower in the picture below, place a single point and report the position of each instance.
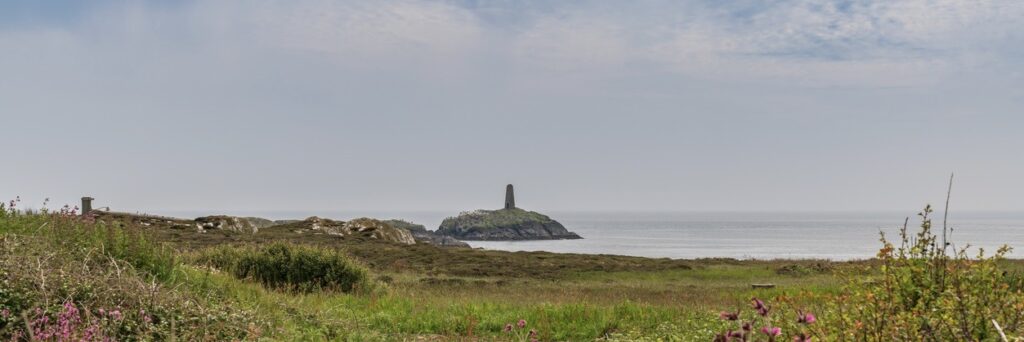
(801, 338)
(508, 327)
(521, 324)
(760, 307)
(757, 303)
(5, 313)
(806, 318)
(772, 331)
(533, 333)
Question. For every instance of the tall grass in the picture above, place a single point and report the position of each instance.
(65, 277)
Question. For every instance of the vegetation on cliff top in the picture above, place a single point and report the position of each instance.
(492, 219)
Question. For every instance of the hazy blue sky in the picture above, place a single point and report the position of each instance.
(593, 105)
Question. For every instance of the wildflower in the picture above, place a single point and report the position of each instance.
(772, 331)
(533, 333)
(802, 338)
(760, 307)
(115, 314)
(521, 324)
(757, 303)
(508, 327)
(5, 313)
(747, 327)
(729, 316)
(90, 332)
(806, 318)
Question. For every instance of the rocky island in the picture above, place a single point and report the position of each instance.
(510, 223)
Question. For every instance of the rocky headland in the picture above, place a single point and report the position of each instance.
(507, 224)
(396, 231)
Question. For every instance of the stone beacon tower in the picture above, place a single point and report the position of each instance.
(86, 205)
(510, 197)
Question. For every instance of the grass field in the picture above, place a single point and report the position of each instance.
(418, 292)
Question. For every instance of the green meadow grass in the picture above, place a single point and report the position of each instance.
(424, 292)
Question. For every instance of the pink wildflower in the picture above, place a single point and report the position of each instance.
(508, 327)
(521, 324)
(760, 307)
(806, 318)
(772, 331)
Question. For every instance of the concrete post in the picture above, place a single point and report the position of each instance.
(510, 197)
(86, 205)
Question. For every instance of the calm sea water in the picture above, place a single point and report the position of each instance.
(744, 235)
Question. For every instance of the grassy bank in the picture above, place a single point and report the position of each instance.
(175, 283)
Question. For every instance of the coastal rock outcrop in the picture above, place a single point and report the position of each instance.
(422, 235)
(504, 224)
(238, 224)
(365, 227)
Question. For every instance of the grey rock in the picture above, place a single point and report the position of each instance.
(422, 235)
(504, 224)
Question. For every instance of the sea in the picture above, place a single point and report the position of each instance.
(739, 235)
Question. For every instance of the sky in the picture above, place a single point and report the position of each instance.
(718, 105)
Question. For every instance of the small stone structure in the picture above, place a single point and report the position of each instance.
(510, 197)
(86, 205)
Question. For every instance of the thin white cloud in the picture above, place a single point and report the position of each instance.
(571, 43)
(868, 43)
(377, 28)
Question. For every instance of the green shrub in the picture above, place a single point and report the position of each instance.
(288, 266)
(921, 292)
